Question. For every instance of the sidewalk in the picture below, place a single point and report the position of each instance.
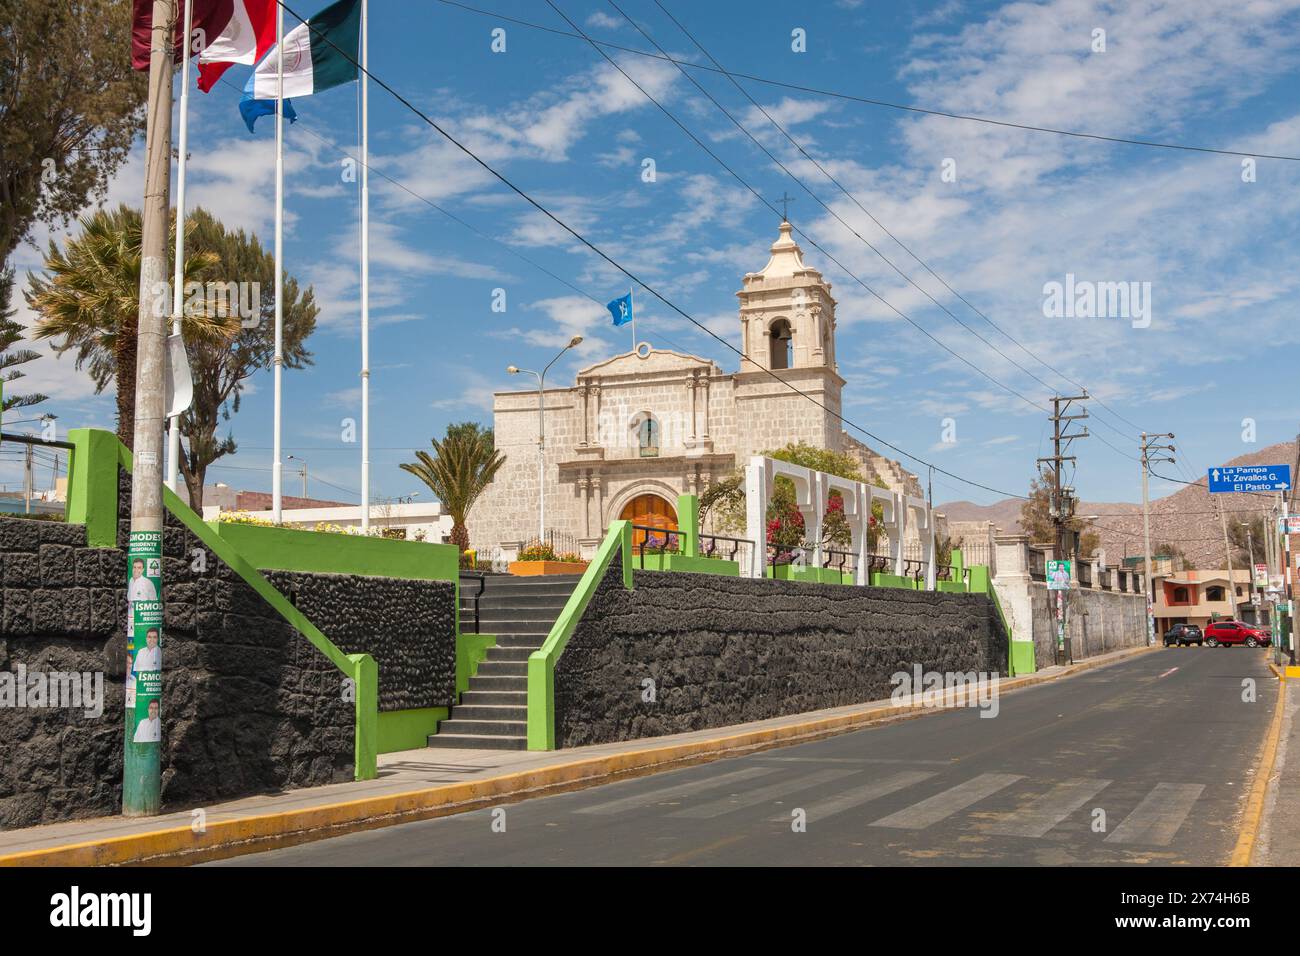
(424, 783)
(1279, 838)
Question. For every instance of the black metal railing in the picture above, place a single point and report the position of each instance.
(727, 549)
(559, 543)
(656, 541)
(914, 569)
(481, 578)
(880, 564)
(845, 562)
(1107, 579)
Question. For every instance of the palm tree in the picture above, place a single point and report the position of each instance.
(90, 296)
(461, 466)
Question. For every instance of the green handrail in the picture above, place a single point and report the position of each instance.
(541, 663)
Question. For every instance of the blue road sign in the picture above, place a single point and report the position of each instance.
(1234, 479)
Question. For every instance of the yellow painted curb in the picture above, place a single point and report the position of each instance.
(253, 834)
(1292, 671)
(1254, 812)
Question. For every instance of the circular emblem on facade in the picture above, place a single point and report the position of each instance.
(643, 350)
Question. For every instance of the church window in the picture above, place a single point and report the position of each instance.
(782, 344)
(647, 433)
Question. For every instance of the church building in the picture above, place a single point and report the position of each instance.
(636, 430)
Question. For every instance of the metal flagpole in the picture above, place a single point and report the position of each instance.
(365, 273)
(631, 307)
(178, 272)
(276, 467)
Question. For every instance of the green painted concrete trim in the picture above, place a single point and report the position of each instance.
(92, 485)
(92, 497)
(541, 663)
(981, 582)
(408, 729)
(688, 520)
(951, 587)
(882, 580)
(323, 552)
(682, 562)
(1022, 658)
(470, 651)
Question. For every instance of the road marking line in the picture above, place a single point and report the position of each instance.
(740, 801)
(1168, 672)
(943, 805)
(860, 795)
(680, 790)
(1251, 818)
(1157, 818)
(1041, 814)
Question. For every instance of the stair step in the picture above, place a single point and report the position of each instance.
(523, 600)
(500, 712)
(487, 728)
(534, 640)
(490, 668)
(494, 698)
(480, 682)
(477, 742)
(509, 653)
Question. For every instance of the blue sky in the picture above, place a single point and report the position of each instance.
(1025, 209)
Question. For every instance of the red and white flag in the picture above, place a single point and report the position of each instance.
(244, 38)
(226, 31)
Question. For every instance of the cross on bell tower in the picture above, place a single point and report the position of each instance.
(785, 206)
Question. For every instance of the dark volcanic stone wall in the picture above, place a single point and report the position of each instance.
(249, 704)
(408, 627)
(727, 650)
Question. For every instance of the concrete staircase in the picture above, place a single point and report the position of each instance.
(493, 712)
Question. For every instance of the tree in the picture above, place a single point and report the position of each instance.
(11, 332)
(89, 299)
(1036, 520)
(462, 465)
(220, 366)
(724, 500)
(70, 110)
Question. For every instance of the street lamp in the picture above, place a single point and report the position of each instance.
(302, 470)
(541, 431)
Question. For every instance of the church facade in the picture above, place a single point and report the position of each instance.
(636, 430)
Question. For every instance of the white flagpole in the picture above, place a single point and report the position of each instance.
(178, 274)
(365, 275)
(276, 467)
(631, 307)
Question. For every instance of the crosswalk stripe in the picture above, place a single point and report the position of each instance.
(1157, 818)
(1039, 815)
(680, 790)
(860, 795)
(943, 805)
(716, 808)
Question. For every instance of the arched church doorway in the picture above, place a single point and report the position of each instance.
(649, 511)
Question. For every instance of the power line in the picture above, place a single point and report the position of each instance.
(607, 258)
(740, 126)
(868, 101)
(803, 152)
(889, 305)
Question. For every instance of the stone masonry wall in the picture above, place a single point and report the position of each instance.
(728, 650)
(249, 704)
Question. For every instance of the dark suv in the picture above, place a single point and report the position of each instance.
(1183, 635)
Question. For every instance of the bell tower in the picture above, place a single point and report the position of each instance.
(787, 321)
(787, 315)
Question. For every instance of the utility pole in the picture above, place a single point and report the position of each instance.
(27, 479)
(1227, 552)
(1147, 446)
(1063, 502)
(141, 784)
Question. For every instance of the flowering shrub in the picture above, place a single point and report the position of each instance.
(537, 552)
(244, 517)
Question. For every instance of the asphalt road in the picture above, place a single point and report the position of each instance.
(1163, 745)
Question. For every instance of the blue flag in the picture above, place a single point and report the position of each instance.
(251, 109)
(621, 309)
